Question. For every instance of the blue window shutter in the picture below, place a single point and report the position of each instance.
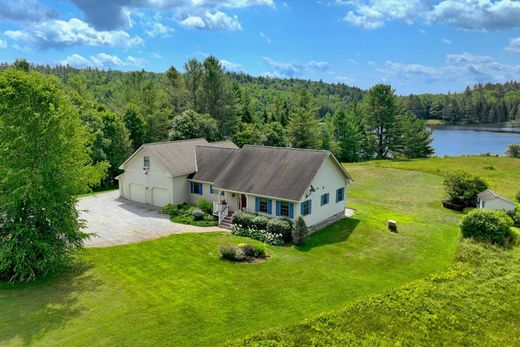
(200, 190)
(278, 208)
(291, 210)
(310, 206)
(191, 187)
(257, 204)
(270, 206)
(211, 188)
(301, 208)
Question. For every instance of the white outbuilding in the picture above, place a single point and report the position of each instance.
(489, 200)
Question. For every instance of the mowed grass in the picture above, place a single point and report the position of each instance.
(475, 303)
(177, 291)
(502, 174)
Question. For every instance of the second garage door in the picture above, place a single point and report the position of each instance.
(160, 197)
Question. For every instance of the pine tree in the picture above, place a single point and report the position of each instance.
(304, 129)
(414, 138)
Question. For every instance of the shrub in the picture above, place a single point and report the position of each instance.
(197, 214)
(260, 222)
(169, 209)
(255, 234)
(515, 216)
(244, 219)
(517, 197)
(513, 150)
(462, 188)
(300, 231)
(234, 253)
(205, 206)
(485, 225)
(280, 226)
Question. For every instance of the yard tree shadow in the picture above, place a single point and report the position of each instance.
(29, 311)
(334, 233)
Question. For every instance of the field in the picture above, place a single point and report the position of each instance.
(501, 174)
(177, 291)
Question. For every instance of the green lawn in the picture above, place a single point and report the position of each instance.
(501, 173)
(177, 291)
(475, 303)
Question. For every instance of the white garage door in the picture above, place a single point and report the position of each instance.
(137, 192)
(160, 197)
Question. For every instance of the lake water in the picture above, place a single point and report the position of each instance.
(459, 140)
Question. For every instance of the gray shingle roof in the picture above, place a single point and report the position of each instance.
(488, 194)
(178, 157)
(283, 173)
(212, 161)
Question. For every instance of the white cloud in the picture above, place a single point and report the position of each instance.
(294, 68)
(3, 44)
(462, 14)
(266, 38)
(465, 68)
(57, 33)
(446, 41)
(101, 60)
(213, 21)
(513, 46)
(153, 26)
(230, 66)
(107, 15)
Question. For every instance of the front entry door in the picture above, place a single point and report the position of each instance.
(243, 201)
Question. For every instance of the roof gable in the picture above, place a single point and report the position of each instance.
(488, 194)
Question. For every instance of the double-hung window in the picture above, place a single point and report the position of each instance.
(196, 188)
(146, 162)
(340, 194)
(306, 208)
(284, 209)
(262, 207)
(325, 199)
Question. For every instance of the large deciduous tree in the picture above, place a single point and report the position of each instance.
(191, 125)
(44, 164)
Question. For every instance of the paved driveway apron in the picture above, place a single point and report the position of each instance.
(118, 221)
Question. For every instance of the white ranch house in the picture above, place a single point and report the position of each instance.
(489, 200)
(277, 182)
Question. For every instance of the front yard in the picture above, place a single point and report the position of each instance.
(177, 291)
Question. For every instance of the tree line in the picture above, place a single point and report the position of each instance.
(123, 110)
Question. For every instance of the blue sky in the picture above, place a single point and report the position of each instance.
(418, 46)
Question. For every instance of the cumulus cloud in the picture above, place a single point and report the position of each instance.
(513, 46)
(294, 68)
(57, 33)
(154, 26)
(463, 14)
(465, 67)
(115, 14)
(446, 41)
(213, 21)
(25, 10)
(3, 44)
(101, 60)
(230, 66)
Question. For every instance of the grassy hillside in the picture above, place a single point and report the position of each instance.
(501, 173)
(177, 291)
(475, 303)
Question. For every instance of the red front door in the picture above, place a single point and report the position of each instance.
(243, 201)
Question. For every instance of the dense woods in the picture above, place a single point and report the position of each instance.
(123, 110)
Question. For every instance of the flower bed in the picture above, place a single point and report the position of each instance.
(256, 234)
(243, 253)
(189, 214)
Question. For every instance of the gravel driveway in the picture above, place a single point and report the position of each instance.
(117, 221)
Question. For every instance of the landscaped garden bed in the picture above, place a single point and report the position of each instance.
(273, 231)
(192, 215)
(244, 252)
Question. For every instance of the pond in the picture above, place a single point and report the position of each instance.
(473, 139)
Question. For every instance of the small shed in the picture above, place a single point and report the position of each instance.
(489, 200)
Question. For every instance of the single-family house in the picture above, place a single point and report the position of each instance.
(273, 181)
(490, 200)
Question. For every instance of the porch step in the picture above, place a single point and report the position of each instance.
(226, 222)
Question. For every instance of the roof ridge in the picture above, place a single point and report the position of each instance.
(175, 141)
(291, 148)
(209, 146)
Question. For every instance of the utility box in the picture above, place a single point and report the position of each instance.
(392, 225)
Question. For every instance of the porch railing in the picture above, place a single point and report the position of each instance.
(223, 213)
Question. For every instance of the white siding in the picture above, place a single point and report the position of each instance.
(180, 189)
(327, 180)
(206, 195)
(498, 205)
(156, 178)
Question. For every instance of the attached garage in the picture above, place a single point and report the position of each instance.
(160, 197)
(137, 192)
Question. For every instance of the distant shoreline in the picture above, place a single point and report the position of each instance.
(494, 127)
